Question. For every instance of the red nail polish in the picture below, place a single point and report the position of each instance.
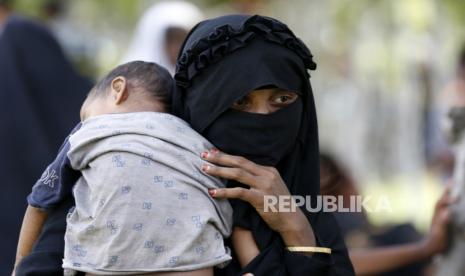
(205, 167)
(212, 192)
(204, 154)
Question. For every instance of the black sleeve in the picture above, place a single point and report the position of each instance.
(57, 181)
(275, 260)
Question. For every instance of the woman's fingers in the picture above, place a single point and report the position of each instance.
(237, 192)
(237, 174)
(437, 240)
(262, 181)
(442, 212)
(216, 157)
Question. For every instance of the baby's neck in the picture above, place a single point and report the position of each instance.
(142, 106)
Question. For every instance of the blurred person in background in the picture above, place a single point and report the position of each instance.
(161, 31)
(395, 250)
(453, 104)
(40, 95)
(453, 98)
(78, 43)
(250, 7)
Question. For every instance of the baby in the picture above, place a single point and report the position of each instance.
(142, 203)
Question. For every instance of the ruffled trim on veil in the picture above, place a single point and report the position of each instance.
(225, 40)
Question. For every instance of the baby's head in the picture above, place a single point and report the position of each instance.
(135, 86)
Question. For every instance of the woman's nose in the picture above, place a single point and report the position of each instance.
(260, 108)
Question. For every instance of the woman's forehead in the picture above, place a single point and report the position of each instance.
(273, 89)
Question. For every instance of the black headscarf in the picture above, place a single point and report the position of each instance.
(40, 97)
(222, 60)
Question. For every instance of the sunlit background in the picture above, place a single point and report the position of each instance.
(382, 67)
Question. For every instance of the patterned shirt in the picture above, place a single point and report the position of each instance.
(142, 202)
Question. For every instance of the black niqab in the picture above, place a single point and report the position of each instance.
(222, 60)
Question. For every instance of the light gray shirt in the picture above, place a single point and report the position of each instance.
(142, 203)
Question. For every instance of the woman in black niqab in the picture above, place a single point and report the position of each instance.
(221, 61)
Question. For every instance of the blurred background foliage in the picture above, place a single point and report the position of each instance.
(382, 65)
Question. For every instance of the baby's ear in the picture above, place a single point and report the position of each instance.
(119, 90)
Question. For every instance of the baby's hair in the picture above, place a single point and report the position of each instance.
(145, 77)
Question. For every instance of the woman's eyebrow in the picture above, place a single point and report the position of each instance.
(277, 89)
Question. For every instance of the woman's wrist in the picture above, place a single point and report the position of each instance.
(421, 250)
(298, 231)
(427, 248)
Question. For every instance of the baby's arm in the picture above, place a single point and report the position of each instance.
(244, 245)
(54, 185)
(34, 219)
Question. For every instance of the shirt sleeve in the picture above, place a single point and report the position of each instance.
(275, 260)
(56, 182)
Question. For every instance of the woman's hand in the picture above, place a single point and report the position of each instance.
(263, 181)
(437, 239)
(373, 261)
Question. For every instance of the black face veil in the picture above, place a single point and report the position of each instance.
(221, 61)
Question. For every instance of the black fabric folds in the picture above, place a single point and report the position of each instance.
(221, 61)
(40, 97)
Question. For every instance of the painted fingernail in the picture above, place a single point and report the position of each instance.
(204, 154)
(212, 192)
(214, 150)
(205, 167)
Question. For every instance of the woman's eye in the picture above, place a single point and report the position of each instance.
(285, 99)
(240, 104)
